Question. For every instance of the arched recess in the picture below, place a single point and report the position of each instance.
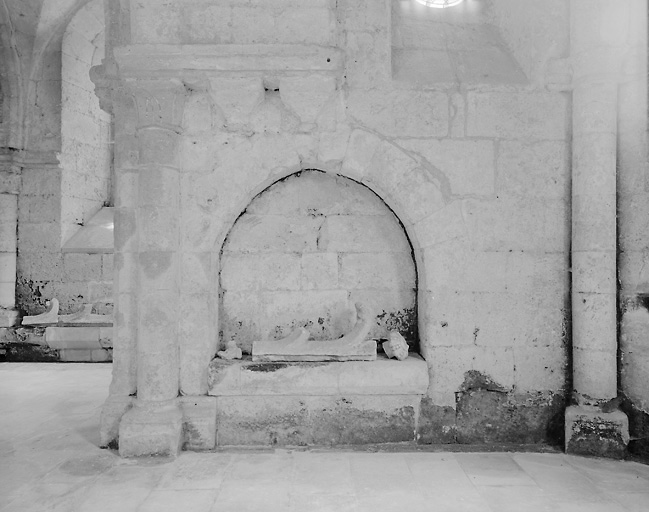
(304, 251)
(218, 198)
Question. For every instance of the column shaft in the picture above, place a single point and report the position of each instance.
(594, 291)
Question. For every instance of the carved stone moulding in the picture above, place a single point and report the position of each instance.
(145, 60)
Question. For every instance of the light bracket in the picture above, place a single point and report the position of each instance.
(439, 4)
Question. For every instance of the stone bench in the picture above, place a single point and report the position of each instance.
(323, 403)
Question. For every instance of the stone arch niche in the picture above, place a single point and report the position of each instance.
(304, 251)
(301, 254)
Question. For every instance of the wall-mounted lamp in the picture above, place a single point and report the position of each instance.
(440, 4)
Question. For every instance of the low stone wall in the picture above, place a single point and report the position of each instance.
(88, 344)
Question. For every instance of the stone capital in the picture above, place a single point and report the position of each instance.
(159, 103)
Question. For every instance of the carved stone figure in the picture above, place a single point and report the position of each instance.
(396, 346)
(232, 351)
(50, 317)
(297, 347)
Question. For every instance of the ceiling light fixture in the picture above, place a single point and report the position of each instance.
(440, 4)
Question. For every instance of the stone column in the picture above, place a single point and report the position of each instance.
(154, 425)
(8, 225)
(121, 104)
(590, 426)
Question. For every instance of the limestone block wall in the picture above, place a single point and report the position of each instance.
(233, 21)
(304, 252)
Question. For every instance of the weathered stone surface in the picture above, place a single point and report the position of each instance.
(493, 416)
(589, 431)
(436, 423)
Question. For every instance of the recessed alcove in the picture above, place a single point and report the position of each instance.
(304, 252)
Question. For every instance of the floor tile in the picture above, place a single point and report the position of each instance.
(196, 471)
(632, 501)
(194, 500)
(322, 502)
(516, 498)
(493, 469)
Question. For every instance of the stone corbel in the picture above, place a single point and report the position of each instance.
(104, 87)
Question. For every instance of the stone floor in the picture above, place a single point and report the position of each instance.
(49, 460)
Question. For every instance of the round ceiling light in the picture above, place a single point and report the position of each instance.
(440, 4)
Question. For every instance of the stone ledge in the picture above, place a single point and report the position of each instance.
(381, 377)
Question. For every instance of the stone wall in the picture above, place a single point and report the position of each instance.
(55, 200)
(477, 175)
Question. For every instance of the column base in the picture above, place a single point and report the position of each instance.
(112, 411)
(8, 317)
(151, 428)
(589, 431)
(199, 422)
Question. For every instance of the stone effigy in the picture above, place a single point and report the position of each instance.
(232, 351)
(396, 347)
(297, 347)
(50, 317)
(84, 317)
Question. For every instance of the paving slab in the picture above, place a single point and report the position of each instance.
(51, 461)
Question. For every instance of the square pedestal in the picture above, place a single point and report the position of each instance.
(151, 429)
(589, 431)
